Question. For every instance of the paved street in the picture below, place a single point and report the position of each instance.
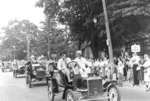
(15, 90)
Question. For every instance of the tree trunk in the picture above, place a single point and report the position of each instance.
(79, 45)
(94, 47)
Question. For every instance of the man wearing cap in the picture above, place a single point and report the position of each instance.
(82, 64)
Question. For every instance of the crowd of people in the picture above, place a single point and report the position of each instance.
(134, 69)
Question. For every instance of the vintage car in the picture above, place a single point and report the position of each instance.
(19, 71)
(7, 67)
(81, 89)
(35, 72)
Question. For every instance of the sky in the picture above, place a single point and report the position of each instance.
(20, 9)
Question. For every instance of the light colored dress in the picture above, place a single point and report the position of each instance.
(146, 65)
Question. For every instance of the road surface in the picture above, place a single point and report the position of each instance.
(16, 90)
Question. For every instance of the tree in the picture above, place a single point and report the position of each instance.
(80, 16)
(59, 38)
(15, 40)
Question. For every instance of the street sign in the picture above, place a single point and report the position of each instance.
(135, 48)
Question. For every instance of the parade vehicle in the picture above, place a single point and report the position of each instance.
(81, 89)
(35, 72)
(19, 71)
(7, 68)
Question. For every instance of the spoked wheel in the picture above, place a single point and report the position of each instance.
(70, 96)
(50, 91)
(114, 94)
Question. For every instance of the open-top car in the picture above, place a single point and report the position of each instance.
(7, 67)
(35, 72)
(81, 89)
(19, 71)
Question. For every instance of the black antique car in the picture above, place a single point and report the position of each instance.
(7, 67)
(81, 89)
(35, 72)
(19, 71)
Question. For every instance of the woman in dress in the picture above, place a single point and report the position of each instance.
(146, 66)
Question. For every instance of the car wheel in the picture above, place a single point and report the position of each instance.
(113, 94)
(51, 94)
(70, 96)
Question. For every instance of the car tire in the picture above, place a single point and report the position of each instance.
(114, 94)
(51, 94)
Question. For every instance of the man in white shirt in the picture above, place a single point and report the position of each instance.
(82, 62)
(134, 64)
(62, 65)
(134, 60)
(146, 66)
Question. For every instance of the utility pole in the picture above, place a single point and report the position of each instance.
(109, 43)
(28, 47)
(48, 47)
(49, 32)
(14, 52)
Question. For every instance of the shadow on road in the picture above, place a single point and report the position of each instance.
(20, 77)
(35, 85)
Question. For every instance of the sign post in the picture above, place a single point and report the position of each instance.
(135, 48)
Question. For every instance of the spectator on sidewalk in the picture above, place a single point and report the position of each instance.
(146, 66)
(141, 70)
(120, 67)
(130, 71)
(134, 64)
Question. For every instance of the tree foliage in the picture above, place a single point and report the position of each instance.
(123, 16)
(15, 41)
(59, 37)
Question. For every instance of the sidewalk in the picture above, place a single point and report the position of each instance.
(129, 84)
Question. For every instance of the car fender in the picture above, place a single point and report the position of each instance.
(108, 84)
